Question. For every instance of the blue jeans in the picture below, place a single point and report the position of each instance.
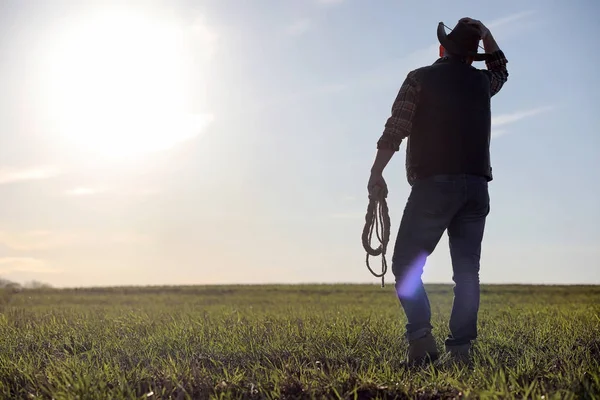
(459, 204)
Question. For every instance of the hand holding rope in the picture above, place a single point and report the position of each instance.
(377, 219)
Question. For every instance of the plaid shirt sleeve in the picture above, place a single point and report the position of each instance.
(496, 71)
(399, 124)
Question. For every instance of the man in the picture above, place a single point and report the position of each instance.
(444, 111)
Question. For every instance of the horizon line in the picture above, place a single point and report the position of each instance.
(293, 284)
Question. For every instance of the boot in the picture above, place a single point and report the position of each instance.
(460, 353)
(422, 350)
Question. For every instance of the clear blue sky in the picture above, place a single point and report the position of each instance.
(187, 142)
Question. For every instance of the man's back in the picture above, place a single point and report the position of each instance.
(444, 111)
(451, 126)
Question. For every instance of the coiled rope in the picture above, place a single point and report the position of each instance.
(378, 220)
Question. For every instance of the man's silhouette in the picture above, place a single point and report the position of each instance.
(444, 112)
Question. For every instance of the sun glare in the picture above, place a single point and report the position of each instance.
(118, 84)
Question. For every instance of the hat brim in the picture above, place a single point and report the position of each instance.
(453, 48)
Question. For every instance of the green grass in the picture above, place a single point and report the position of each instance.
(327, 341)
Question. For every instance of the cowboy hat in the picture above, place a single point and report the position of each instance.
(463, 40)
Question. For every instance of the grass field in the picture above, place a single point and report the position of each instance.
(328, 341)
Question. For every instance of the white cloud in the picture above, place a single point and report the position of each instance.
(10, 175)
(504, 119)
(25, 264)
(509, 19)
(299, 27)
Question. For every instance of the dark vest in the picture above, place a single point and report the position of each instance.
(452, 123)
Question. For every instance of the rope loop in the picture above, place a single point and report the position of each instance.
(377, 219)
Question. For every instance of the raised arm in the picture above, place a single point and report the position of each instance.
(496, 64)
